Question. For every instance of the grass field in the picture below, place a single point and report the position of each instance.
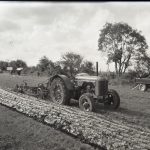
(134, 106)
(9, 81)
(133, 100)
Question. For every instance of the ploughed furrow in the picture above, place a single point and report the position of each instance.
(92, 128)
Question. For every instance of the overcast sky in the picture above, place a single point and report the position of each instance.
(30, 30)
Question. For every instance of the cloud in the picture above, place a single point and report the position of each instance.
(8, 26)
(142, 24)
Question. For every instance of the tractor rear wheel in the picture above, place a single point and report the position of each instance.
(58, 92)
(113, 100)
(142, 87)
(86, 102)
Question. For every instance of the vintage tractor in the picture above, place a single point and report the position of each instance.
(88, 90)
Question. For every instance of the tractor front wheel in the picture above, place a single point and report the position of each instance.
(86, 102)
(113, 100)
(142, 87)
(58, 92)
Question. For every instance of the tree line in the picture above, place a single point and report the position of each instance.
(70, 64)
(14, 63)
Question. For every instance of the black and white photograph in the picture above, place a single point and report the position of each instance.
(74, 75)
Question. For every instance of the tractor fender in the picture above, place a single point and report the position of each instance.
(68, 83)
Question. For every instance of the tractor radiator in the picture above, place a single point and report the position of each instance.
(101, 87)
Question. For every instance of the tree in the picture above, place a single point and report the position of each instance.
(17, 64)
(87, 67)
(21, 63)
(3, 65)
(45, 65)
(71, 63)
(142, 65)
(122, 44)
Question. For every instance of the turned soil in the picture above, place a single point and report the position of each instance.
(18, 132)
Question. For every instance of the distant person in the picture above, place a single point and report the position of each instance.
(38, 74)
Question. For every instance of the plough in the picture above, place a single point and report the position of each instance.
(39, 91)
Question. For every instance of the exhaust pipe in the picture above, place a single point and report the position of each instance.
(97, 68)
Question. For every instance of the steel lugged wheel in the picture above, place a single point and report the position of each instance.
(86, 102)
(113, 100)
(58, 92)
(142, 87)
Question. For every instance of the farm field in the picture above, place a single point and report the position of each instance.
(18, 132)
(134, 106)
(9, 81)
(132, 101)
